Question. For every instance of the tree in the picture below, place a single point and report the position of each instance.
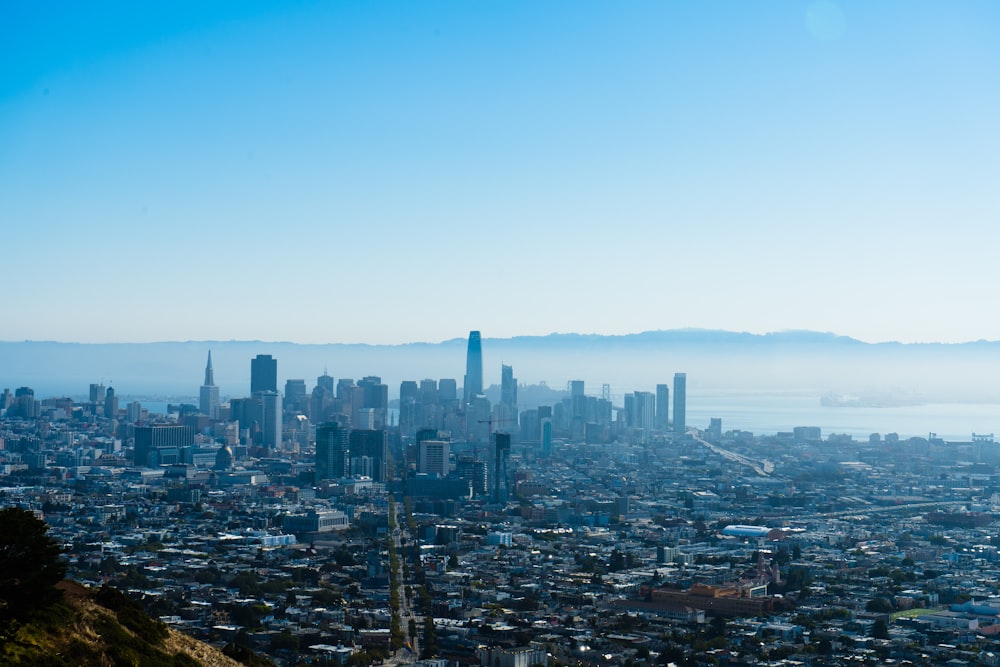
(879, 606)
(30, 563)
(881, 629)
(430, 645)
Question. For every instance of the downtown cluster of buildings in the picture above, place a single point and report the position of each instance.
(574, 532)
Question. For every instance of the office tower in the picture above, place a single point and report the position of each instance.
(501, 453)
(263, 373)
(409, 402)
(344, 387)
(429, 391)
(645, 410)
(508, 398)
(332, 450)
(447, 390)
(662, 411)
(321, 400)
(369, 451)
(269, 418)
(326, 382)
(680, 401)
(475, 472)
(296, 399)
(133, 412)
(24, 404)
(160, 444)
(376, 398)
(110, 404)
(96, 393)
(421, 435)
(429, 410)
(578, 400)
(478, 419)
(433, 457)
(208, 395)
(473, 369)
(629, 409)
(529, 425)
(546, 436)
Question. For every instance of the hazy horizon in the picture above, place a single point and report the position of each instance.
(799, 363)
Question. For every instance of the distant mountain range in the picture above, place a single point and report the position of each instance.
(715, 361)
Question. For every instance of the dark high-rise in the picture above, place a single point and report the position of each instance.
(369, 453)
(473, 368)
(680, 402)
(263, 373)
(331, 451)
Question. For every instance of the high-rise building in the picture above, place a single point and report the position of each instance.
(474, 471)
(296, 398)
(645, 410)
(473, 368)
(263, 373)
(133, 412)
(369, 451)
(159, 444)
(662, 409)
(110, 404)
(409, 404)
(447, 390)
(24, 404)
(208, 395)
(376, 398)
(578, 400)
(680, 402)
(434, 456)
(269, 417)
(332, 450)
(508, 398)
(321, 400)
(501, 453)
(546, 436)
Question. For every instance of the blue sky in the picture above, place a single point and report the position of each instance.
(388, 172)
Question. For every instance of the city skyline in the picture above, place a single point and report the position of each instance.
(822, 165)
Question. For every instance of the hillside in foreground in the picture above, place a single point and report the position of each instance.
(101, 627)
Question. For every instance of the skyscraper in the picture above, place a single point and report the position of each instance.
(331, 451)
(680, 401)
(110, 404)
(369, 453)
(508, 398)
(263, 373)
(269, 412)
(662, 407)
(296, 399)
(501, 453)
(473, 368)
(645, 408)
(209, 393)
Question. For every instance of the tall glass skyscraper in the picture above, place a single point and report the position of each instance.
(263, 373)
(473, 368)
(508, 399)
(680, 402)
